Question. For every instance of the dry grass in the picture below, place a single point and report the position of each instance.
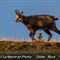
(29, 47)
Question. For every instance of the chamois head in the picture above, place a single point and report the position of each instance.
(18, 16)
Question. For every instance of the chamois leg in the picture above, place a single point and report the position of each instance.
(32, 33)
(49, 34)
(55, 30)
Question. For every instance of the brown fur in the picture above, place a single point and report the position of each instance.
(36, 22)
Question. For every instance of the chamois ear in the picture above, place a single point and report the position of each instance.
(17, 12)
(22, 12)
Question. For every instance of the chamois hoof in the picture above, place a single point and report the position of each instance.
(33, 40)
(48, 40)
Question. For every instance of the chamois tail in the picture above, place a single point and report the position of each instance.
(55, 18)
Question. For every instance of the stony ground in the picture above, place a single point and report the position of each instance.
(10, 47)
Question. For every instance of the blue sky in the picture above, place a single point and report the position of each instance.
(10, 29)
